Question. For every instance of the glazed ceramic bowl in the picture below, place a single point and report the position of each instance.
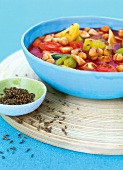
(33, 86)
(84, 84)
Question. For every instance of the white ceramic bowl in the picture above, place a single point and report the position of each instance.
(33, 86)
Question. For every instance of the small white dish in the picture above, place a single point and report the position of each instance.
(33, 86)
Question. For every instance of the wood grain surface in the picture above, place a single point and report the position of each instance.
(91, 126)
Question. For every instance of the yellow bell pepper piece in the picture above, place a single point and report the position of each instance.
(70, 33)
(91, 43)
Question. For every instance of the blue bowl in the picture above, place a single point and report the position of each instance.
(83, 84)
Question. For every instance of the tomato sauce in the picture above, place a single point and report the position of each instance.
(41, 45)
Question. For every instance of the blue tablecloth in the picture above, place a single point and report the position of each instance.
(15, 18)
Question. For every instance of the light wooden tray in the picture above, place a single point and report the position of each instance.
(92, 126)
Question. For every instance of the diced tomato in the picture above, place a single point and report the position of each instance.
(75, 44)
(106, 68)
(36, 42)
(49, 46)
(66, 49)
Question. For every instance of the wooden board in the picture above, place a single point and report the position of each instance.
(91, 126)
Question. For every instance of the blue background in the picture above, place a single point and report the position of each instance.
(15, 17)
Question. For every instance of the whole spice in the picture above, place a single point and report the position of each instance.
(16, 96)
(28, 149)
(5, 138)
(22, 141)
(11, 141)
(14, 149)
(32, 155)
(64, 131)
(19, 135)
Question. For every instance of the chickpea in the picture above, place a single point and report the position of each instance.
(65, 66)
(51, 60)
(93, 32)
(89, 66)
(56, 39)
(95, 52)
(82, 55)
(99, 51)
(48, 37)
(47, 52)
(118, 57)
(106, 51)
(120, 33)
(75, 51)
(105, 36)
(105, 28)
(46, 56)
(87, 29)
(84, 34)
(119, 68)
(64, 41)
(104, 58)
(100, 32)
(78, 59)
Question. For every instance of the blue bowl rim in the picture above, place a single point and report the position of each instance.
(70, 70)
